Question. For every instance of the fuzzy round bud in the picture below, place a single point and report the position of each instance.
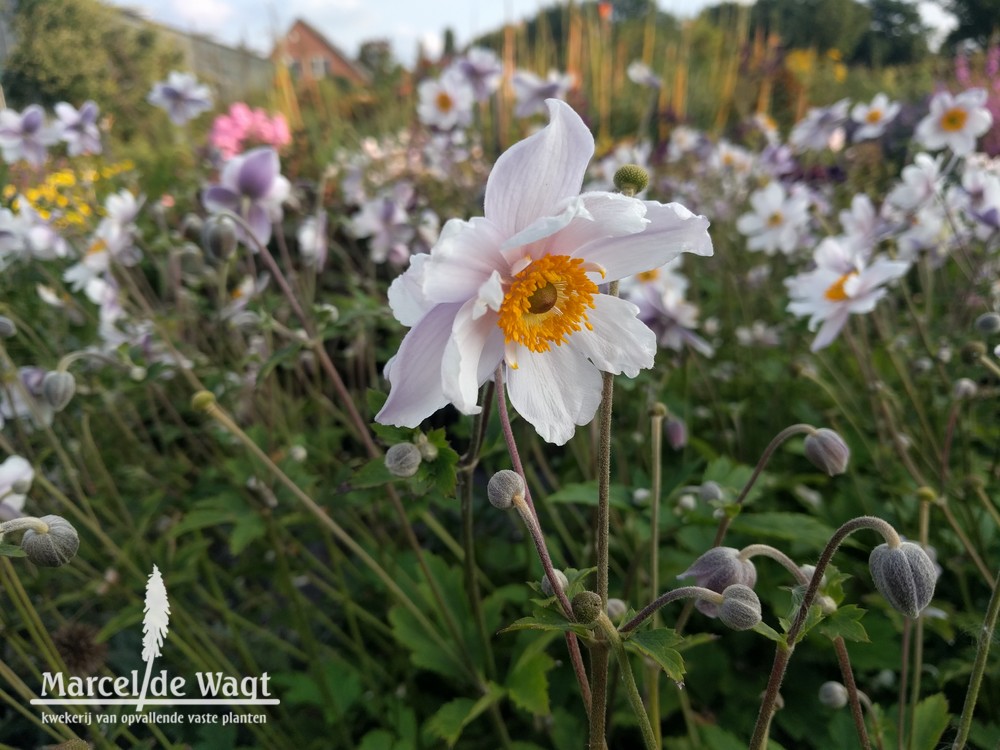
(904, 575)
(616, 608)
(833, 695)
(58, 387)
(586, 607)
(972, 351)
(561, 579)
(717, 569)
(677, 434)
(428, 451)
(7, 328)
(740, 608)
(218, 236)
(504, 487)
(710, 492)
(298, 453)
(827, 451)
(202, 400)
(631, 179)
(137, 373)
(964, 389)
(403, 459)
(54, 547)
(988, 323)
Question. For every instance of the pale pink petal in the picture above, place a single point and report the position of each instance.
(465, 255)
(472, 354)
(619, 342)
(415, 372)
(830, 329)
(672, 230)
(406, 293)
(533, 176)
(554, 391)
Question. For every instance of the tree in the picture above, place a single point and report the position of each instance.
(74, 50)
(897, 35)
(821, 24)
(978, 21)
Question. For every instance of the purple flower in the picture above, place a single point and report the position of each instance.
(182, 96)
(483, 71)
(78, 127)
(252, 187)
(25, 135)
(532, 91)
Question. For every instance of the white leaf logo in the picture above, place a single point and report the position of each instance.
(155, 621)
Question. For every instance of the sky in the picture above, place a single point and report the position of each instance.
(348, 23)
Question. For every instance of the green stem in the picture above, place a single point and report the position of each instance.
(844, 660)
(979, 666)
(653, 671)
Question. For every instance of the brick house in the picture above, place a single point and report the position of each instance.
(310, 56)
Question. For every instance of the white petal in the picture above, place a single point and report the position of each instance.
(406, 295)
(415, 371)
(620, 342)
(555, 391)
(672, 230)
(533, 176)
(546, 226)
(830, 329)
(465, 255)
(472, 354)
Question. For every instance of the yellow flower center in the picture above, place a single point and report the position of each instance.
(444, 101)
(836, 292)
(649, 275)
(873, 116)
(546, 302)
(954, 119)
(775, 219)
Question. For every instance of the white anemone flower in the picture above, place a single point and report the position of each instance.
(16, 476)
(778, 219)
(446, 101)
(842, 283)
(873, 118)
(517, 289)
(955, 121)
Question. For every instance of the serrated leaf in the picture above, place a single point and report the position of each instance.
(425, 652)
(248, 529)
(545, 619)
(930, 722)
(846, 623)
(768, 632)
(656, 644)
(10, 550)
(528, 682)
(372, 474)
(452, 718)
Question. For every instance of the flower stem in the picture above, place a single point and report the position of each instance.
(631, 690)
(979, 666)
(653, 671)
(684, 592)
(844, 659)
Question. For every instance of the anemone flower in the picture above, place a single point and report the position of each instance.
(25, 135)
(252, 187)
(517, 289)
(78, 128)
(181, 96)
(955, 121)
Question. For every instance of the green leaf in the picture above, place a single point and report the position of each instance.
(585, 493)
(372, 474)
(448, 723)
(846, 623)
(930, 722)
(425, 652)
(11, 550)
(546, 619)
(656, 644)
(788, 527)
(248, 529)
(768, 632)
(378, 739)
(375, 400)
(718, 738)
(528, 682)
(813, 618)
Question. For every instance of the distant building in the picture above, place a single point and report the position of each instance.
(310, 56)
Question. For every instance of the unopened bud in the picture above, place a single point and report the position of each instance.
(964, 389)
(972, 351)
(428, 451)
(219, 236)
(403, 459)
(58, 387)
(827, 451)
(988, 323)
(202, 400)
(710, 492)
(586, 607)
(833, 695)
(717, 569)
(904, 575)
(631, 179)
(616, 608)
(658, 410)
(504, 487)
(7, 328)
(54, 547)
(677, 434)
(192, 227)
(740, 608)
(561, 580)
(137, 373)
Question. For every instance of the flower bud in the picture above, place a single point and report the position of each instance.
(58, 387)
(561, 579)
(403, 459)
(7, 328)
(718, 569)
(677, 434)
(827, 451)
(988, 323)
(658, 410)
(740, 608)
(616, 608)
(504, 486)
(137, 373)
(52, 548)
(833, 695)
(972, 351)
(219, 237)
(710, 492)
(904, 575)
(202, 400)
(586, 607)
(428, 451)
(964, 389)
(631, 179)
(192, 227)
